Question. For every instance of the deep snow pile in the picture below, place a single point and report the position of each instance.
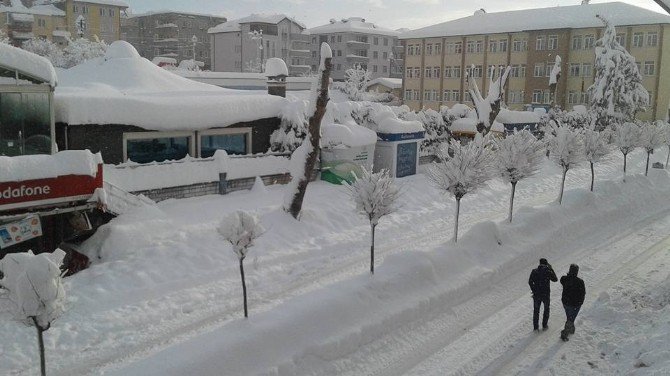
(68, 162)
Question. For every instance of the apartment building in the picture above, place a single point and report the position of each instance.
(24, 20)
(96, 18)
(170, 34)
(438, 56)
(357, 42)
(234, 50)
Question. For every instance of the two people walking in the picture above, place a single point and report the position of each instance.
(572, 297)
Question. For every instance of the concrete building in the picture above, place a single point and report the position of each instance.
(233, 49)
(23, 20)
(528, 40)
(101, 18)
(170, 34)
(355, 41)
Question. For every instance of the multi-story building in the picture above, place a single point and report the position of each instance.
(99, 19)
(357, 42)
(438, 56)
(24, 20)
(235, 48)
(170, 34)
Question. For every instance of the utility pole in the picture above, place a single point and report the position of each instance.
(194, 39)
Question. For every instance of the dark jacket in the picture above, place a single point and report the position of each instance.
(573, 289)
(539, 280)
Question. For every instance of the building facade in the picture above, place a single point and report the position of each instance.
(234, 50)
(23, 20)
(170, 34)
(357, 42)
(94, 18)
(438, 56)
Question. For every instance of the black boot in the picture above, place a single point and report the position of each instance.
(570, 327)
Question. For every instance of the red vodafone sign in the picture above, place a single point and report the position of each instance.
(40, 192)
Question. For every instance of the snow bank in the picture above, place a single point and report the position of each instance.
(517, 117)
(122, 88)
(389, 123)
(274, 67)
(30, 167)
(133, 177)
(28, 63)
(347, 134)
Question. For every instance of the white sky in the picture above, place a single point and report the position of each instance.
(392, 14)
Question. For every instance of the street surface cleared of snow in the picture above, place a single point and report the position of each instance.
(166, 278)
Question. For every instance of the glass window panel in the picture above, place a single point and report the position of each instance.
(25, 124)
(158, 149)
(231, 143)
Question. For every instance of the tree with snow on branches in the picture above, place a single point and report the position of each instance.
(468, 168)
(596, 147)
(626, 137)
(666, 128)
(518, 156)
(652, 136)
(241, 229)
(355, 81)
(375, 196)
(617, 93)
(566, 149)
(488, 107)
(35, 286)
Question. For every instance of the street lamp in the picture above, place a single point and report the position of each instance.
(194, 40)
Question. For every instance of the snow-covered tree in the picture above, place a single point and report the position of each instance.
(35, 285)
(667, 141)
(240, 229)
(304, 157)
(652, 136)
(292, 129)
(45, 48)
(488, 108)
(566, 149)
(596, 147)
(81, 50)
(462, 169)
(626, 137)
(355, 81)
(518, 156)
(617, 93)
(3, 37)
(554, 77)
(375, 195)
(436, 130)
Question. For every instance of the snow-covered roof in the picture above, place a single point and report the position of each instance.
(168, 11)
(393, 83)
(114, 3)
(31, 167)
(352, 25)
(561, 17)
(40, 10)
(234, 25)
(124, 88)
(27, 63)
(349, 134)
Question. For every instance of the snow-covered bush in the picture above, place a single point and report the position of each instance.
(596, 147)
(355, 81)
(566, 149)
(626, 137)
(617, 93)
(488, 107)
(81, 50)
(436, 130)
(35, 286)
(652, 136)
(3, 37)
(375, 195)
(666, 128)
(462, 169)
(45, 48)
(292, 129)
(518, 156)
(240, 229)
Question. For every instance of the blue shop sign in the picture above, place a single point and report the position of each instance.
(401, 136)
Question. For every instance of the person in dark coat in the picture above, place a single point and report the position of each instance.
(539, 281)
(572, 299)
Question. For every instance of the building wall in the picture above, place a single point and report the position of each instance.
(103, 21)
(418, 91)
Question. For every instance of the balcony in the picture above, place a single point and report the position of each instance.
(300, 53)
(358, 45)
(358, 58)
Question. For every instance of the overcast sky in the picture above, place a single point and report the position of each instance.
(392, 14)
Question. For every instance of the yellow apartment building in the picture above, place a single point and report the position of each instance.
(437, 56)
(102, 18)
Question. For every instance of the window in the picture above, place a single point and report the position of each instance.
(502, 45)
(110, 12)
(577, 42)
(339, 67)
(651, 96)
(408, 73)
(456, 95)
(470, 47)
(408, 95)
(429, 71)
(145, 147)
(84, 9)
(548, 69)
(637, 39)
(621, 39)
(332, 39)
(540, 43)
(438, 48)
(101, 11)
(417, 95)
(385, 55)
(375, 55)
(458, 47)
(493, 46)
(417, 49)
(417, 72)
(456, 72)
(518, 45)
(589, 41)
(652, 39)
(586, 70)
(649, 68)
(384, 69)
(479, 46)
(374, 69)
(575, 69)
(537, 96)
(476, 71)
(572, 97)
(339, 39)
(552, 42)
(410, 50)
(426, 95)
(25, 124)
(446, 95)
(429, 49)
(232, 140)
(74, 8)
(522, 70)
(436, 72)
(339, 52)
(375, 41)
(386, 41)
(539, 70)
(447, 72)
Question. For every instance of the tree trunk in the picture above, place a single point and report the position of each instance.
(624, 167)
(668, 158)
(244, 288)
(511, 202)
(458, 209)
(40, 340)
(646, 169)
(560, 196)
(372, 250)
(593, 175)
(314, 135)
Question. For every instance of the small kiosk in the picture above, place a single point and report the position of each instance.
(398, 146)
(345, 150)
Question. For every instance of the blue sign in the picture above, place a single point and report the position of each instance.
(406, 159)
(401, 136)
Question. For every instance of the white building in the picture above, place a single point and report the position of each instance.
(234, 50)
(355, 41)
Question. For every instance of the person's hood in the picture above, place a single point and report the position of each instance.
(574, 269)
